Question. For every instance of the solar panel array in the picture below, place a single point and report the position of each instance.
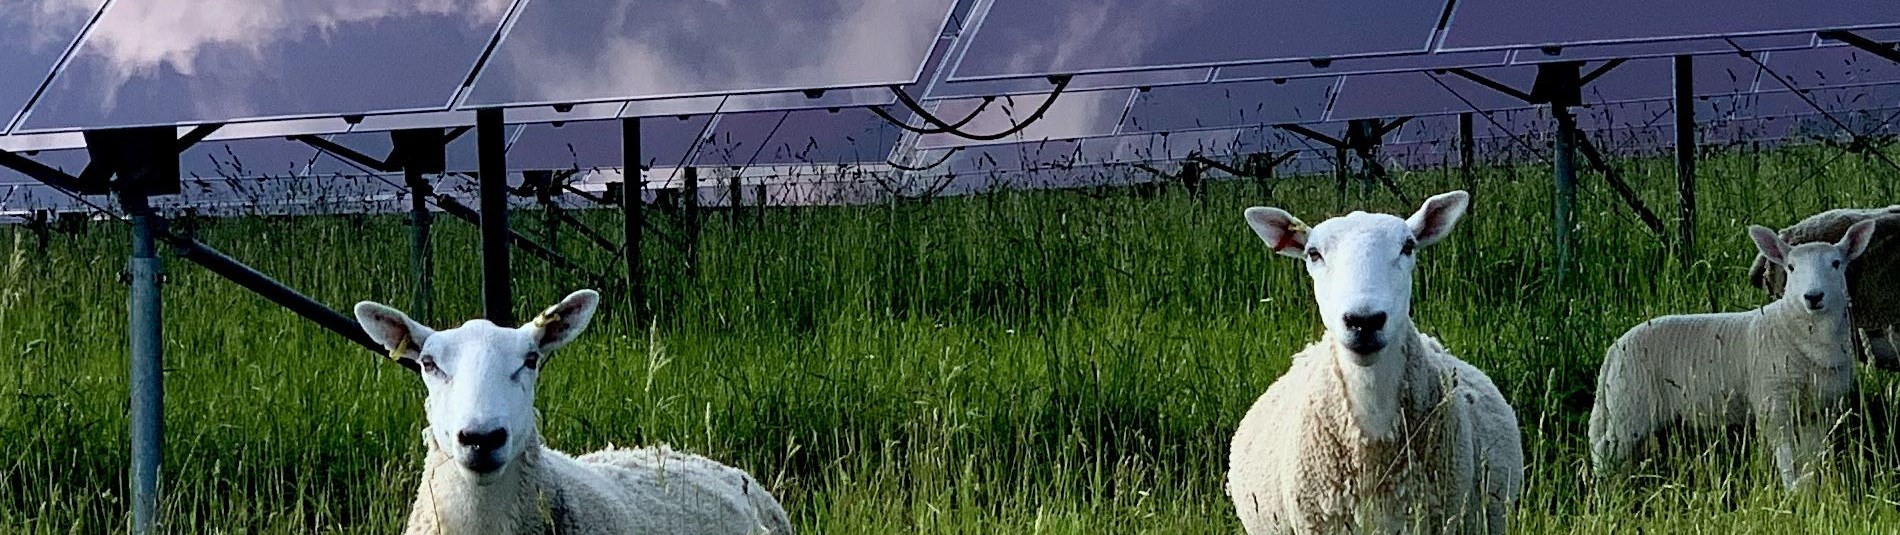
(771, 89)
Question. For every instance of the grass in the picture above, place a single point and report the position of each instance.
(1019, 362)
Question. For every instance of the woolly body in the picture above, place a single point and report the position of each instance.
(1787, 366)
(612, 491)
(1304, 462)
(1873, 280)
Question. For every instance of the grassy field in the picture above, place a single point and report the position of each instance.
(1025, 362)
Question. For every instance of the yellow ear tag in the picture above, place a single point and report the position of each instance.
(542, 321)
(401, 347)
(1299, 226)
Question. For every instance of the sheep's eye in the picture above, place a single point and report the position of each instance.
(1312, 255)
(428, 365)
(1410, 246)
(1791, 268)
(1837, 264)
(533, 362)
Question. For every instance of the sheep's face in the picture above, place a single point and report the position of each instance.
(1361, 266)
(1816, 273)
(480, 376)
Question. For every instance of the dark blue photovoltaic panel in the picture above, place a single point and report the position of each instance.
(1480, 24)
(1024, 38)
(158, 62)
(1085, 82)
(267, 157)
(1654, 78)
(34, 37)
(800, 137)
(1663, 48)
(1073, 115)
(1302, 69)
(1230, 105)
(610, 50)
(664, 142)
(1837, 66)
(1373, 96)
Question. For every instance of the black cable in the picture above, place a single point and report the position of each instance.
(933, 165)
(959, 124)
(1062, 83)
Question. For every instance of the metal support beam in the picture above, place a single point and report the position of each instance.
(1622, 188)
(632, 183)
(689, 196)
(1468, 155)
(145, 328)
(1566, 185)
(1686, 155)
(421, 253)
(263, 285)
(1340, 173)
(497, 282)
(1884, 51)
(734, 197)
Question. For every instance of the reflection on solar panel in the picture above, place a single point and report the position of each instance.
(1072, 115)
(34, 39)
(1021, 39)
(612, 50)
(162, 62)
(1230, 105)
(1493, 24)
(799, 137)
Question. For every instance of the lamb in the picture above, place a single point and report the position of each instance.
(487, 470)
(1376, 428)
(1873, 282)
(1787, 365)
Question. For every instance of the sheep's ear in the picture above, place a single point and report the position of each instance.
(1434, 220)
(1283, 233)
(1854, 242)
(564, 321)
(403, 337)
(1770, 244)
(1758, 272)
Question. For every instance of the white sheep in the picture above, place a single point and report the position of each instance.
(1873, 282)
(487, 471)
(1788, 365)
(1376, 428)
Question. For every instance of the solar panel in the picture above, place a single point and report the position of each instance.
(800, 137)
(35, 38)
(612, 50)
(1369, 65)
(1417, 93)
(162, 62)
(664, 142)
(1827, 67)
(1023, 39)
(1230, 105)
(1497, 24)
(1072, 115)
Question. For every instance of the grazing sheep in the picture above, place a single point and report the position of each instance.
(1376, 428)
(1787, 365)
(487, 470)
(1873, 282)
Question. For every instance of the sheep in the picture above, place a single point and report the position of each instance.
(1375, 428)
(1873, 283)
(1788, 365)
(487, 471)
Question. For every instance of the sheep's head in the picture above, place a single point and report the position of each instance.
(1361, 265)
(480, 376)
(1816, 272)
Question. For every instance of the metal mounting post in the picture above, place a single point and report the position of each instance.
(1467, 156)
(421, 258)
(145, 328)
(497, 287)
(1685, 155)
(632, 183)
(1566, 184)
(689, 196)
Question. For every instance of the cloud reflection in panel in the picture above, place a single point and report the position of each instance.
(34, 38)
(162, 62)
(595, 50)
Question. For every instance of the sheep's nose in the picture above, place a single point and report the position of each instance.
(483, 441)
(1814, 299)
(1365, 322)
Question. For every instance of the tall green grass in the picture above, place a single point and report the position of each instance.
(1016, 362)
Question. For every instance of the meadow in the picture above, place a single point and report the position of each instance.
(1055, 361)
